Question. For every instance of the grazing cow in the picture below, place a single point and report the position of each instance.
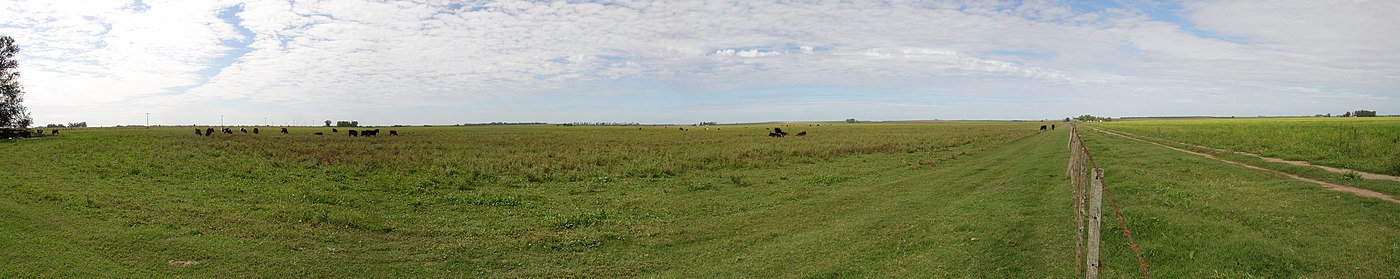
(775, 134)
(284, 130)
(39, 132)
(1052, 127)
(228, 131)
(802, 133)
(333, 130)
(55, 132)
(208, 131)
(780, 131)
(354, 133)
(393, 133)
(1042, 127)
(318, 133)
(197, 132)
(244, 130)
(255, 131)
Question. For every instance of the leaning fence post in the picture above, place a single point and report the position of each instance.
(1091, 260)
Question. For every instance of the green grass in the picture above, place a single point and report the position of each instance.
(932, 200)
(1200, 218)
(1370, 144)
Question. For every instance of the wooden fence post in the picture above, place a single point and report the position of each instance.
(1091, 261)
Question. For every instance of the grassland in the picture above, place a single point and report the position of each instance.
(930, 200)
(1363, 144)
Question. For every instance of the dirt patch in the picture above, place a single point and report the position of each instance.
(182, 263)
(1329, 186)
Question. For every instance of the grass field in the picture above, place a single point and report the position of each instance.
(909, 200)
(1369, 144)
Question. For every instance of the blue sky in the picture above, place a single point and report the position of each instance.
(443, 62)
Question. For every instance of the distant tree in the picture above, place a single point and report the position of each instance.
(1067, 119)
(347, 123)
(12, 112)
(328, 122)
(1365, 113)
(78, 124)
(1348, 114)
(53, 126)
(851, 120)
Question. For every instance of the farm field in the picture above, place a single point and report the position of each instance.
(1369, 144)
(868, 200)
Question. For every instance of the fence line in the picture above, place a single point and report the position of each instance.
(1088, 206)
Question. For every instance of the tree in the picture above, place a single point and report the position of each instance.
(1365, 113)
(851, 120)
(328, 122)
(1348, 114)
(12, 112)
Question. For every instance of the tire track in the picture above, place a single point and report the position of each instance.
(1364, 175)
(1325, 185)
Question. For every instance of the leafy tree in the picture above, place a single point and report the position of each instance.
(78, 125)
(328, 122)
(1365, 113)
(1348, 114)
(851, 120)
(12, 112)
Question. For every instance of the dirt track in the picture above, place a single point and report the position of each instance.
(1329, 186)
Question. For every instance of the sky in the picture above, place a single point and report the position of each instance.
(281, 62)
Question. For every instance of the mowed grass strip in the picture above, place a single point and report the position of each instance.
(537, 202)
(1201, 218)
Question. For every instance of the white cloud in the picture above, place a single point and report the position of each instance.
(309, 59)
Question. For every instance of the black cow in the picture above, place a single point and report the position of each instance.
(318, 133)
(780, 131)
(1052, 127)
(244, 130)
(55, 132)
(802, 133)
(284, 130)
(393, 133)
(333, 130)
(197, 132)
(775, 134)
(1042, 127)
(39, 132)
(354, 133)
(228, 131)
(255, 131)
(208, 131)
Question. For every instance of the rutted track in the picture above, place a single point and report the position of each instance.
(1364, 175)
(1326, 185)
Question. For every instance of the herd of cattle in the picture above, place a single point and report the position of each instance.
(361, 133)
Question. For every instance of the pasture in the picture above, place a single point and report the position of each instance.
(1370, 144)
(862, 200)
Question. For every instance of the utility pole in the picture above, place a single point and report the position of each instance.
(148, 120)
(221, 120)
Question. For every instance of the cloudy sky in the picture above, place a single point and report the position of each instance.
(442, 62)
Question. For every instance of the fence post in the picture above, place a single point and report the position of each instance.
(1091, 261)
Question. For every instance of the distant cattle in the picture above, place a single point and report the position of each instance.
(775, 134)
(333, 130)
(255, 131)
(780, 131)
(802, 133)
(1052, 126)
(393, 133)
(244, 130)
(197, 132)
(284, 130)
(39, 132)
(208, 131)
(55, 132)
(228, 131)
(1042, 127)
(319, 133)
(354, 133)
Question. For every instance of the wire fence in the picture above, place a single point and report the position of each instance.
(1086, 177)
